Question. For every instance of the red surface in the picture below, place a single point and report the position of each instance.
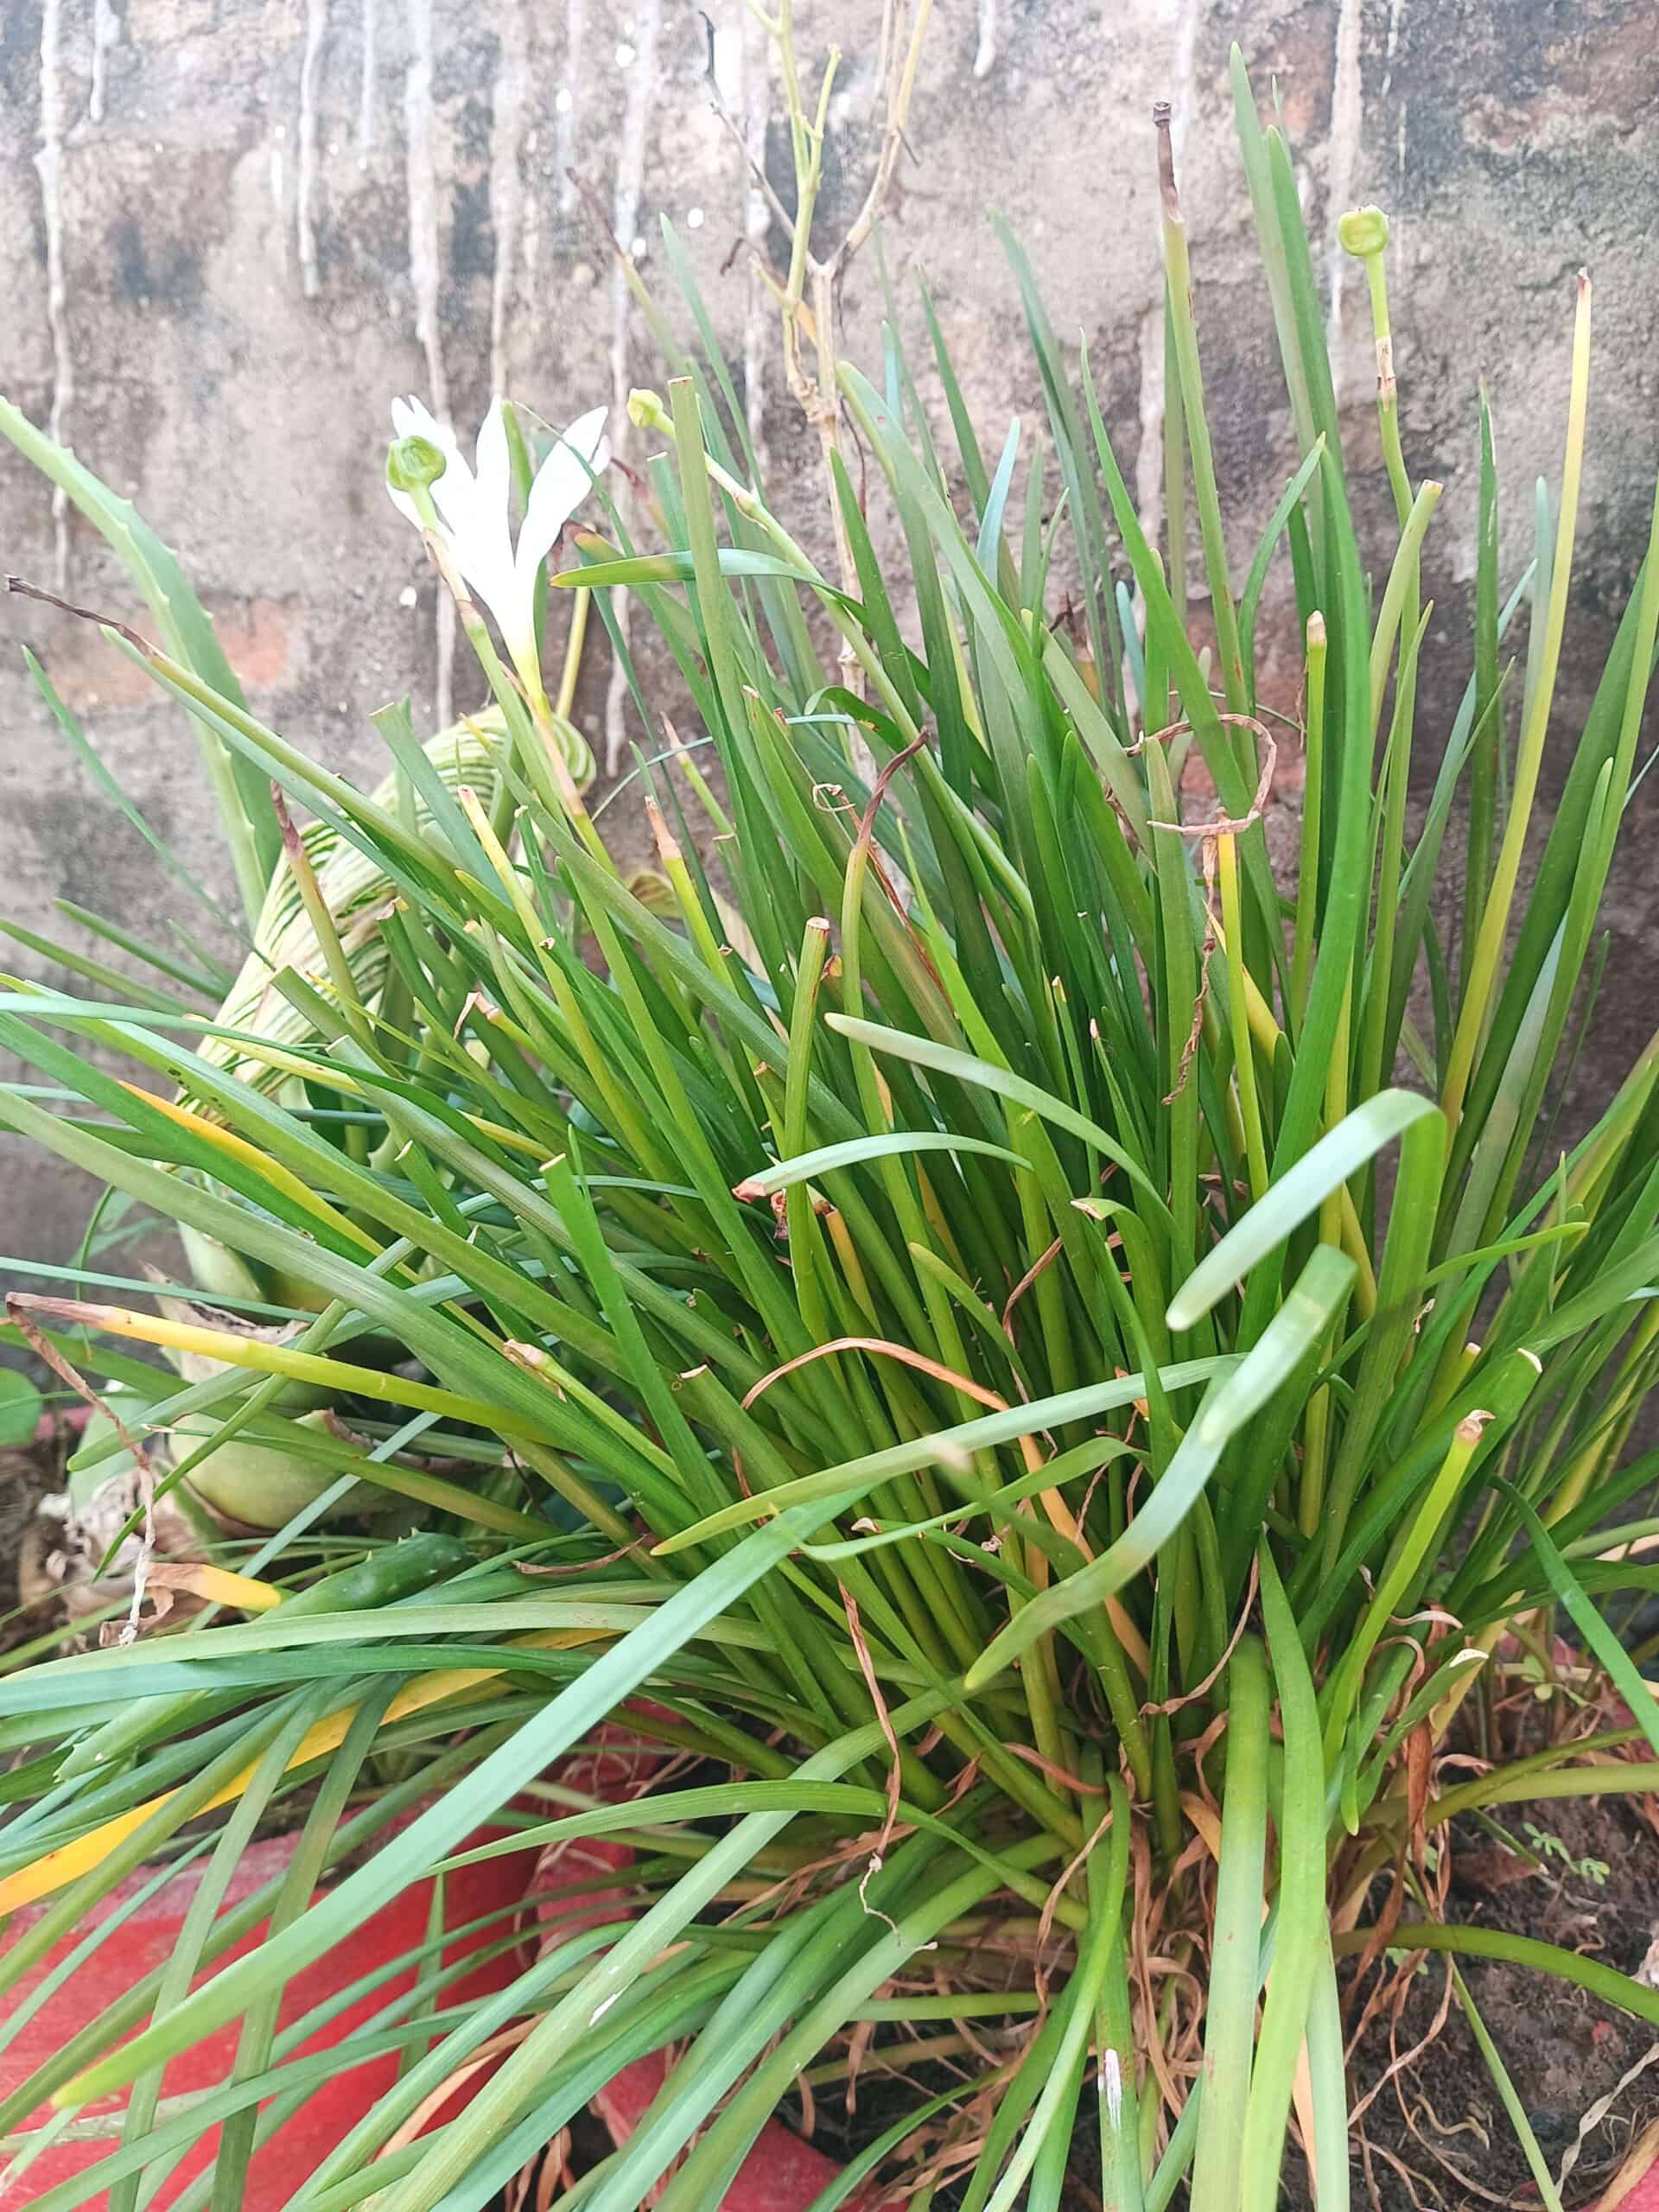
(781, 2173)
(1643, 2197)
(146, 1941)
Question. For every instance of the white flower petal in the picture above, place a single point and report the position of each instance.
(404, 505)
(587, 434)
(477, 525)
(563, 482)
(494, 461)
(411, 418)
(455, 493)
(475, 508)
(479, 530)
(482, 548)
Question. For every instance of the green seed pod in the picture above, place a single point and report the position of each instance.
(413, 464)
(647, 412)
(1363, 232)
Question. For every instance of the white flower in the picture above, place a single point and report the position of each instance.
(475, 508)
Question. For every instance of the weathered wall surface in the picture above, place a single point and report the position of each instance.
(230, 230)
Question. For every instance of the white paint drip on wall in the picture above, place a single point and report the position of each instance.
(1396, 12)
(1149, 461)
(305, 214)
(1347, 115)
(424, 263)
(365, 84)
(985, 52)
(48, 164)
(506, 186)
(424, 274)
(106, 30)
(567, 105)
(755, 104)
(624, 217)
(278, 171)
(531, 210)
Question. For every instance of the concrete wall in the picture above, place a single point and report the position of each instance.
(230, 230)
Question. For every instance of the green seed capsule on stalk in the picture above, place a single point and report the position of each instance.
(647, 412)
(413, 464)
(1363, 231)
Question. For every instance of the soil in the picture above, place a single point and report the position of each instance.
(28, 1473)
(1440, 2117)
(1435, 2137)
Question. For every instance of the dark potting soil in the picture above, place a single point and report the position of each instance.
(29, 1472)
(1597, 1893)
(1435, 2137)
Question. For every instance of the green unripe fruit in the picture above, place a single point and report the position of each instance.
(414, 465)
(647, 412)
(1363, 232)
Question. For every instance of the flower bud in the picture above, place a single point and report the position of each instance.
(1363, 231)
(647, 412)
(413, 464)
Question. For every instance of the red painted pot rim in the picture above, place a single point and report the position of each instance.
(1641, 2194)
(152, 1916)
(782, 2172)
